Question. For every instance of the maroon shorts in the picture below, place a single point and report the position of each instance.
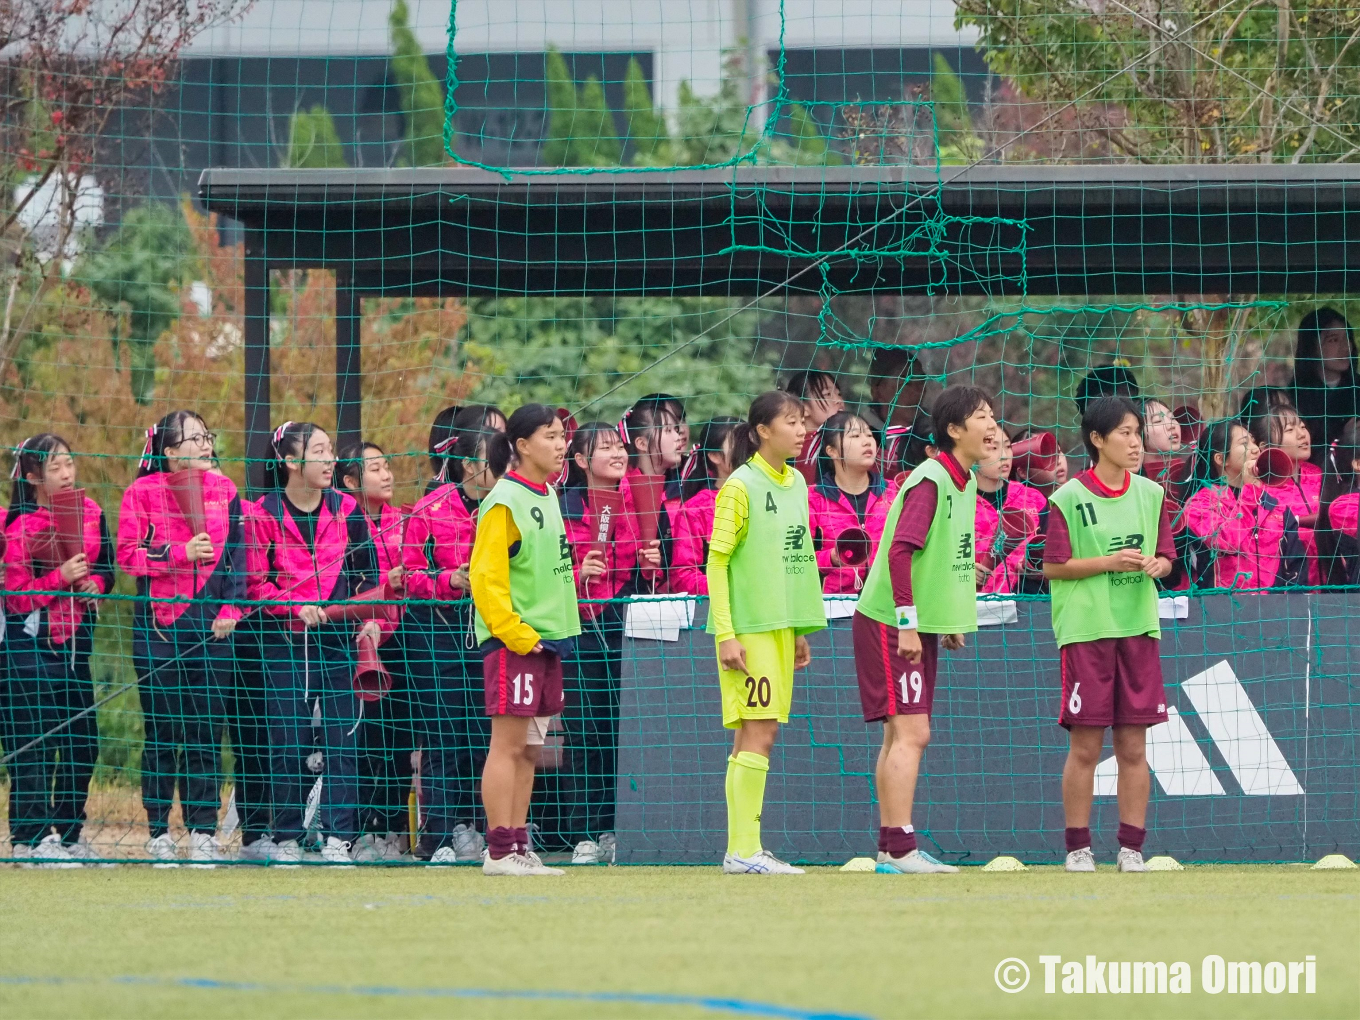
(1112, 682)
(888, 683)
(525, 685)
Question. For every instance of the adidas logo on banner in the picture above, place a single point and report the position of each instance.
(1236, 729)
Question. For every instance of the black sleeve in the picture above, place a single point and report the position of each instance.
(103, 566)
(234, 556)
(361, 556)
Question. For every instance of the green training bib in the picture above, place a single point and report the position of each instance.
(1108, 605)
(944, 573)
(542, 587)
(773, 575)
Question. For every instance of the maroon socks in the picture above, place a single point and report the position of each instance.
(500, 842)
(522, 840)
(1077, 838)
(896, 840)
(1131, 836)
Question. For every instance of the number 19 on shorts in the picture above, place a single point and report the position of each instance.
(910, 686)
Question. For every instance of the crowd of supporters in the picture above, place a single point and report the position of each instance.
(322, 623)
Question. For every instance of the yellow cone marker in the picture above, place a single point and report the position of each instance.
(1003, 864)
(1334, 862)
(1164, 864)
(860, 864)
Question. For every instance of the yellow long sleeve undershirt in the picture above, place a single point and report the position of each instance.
(489, 575)
(731, 515)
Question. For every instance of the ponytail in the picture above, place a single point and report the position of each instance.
(764, 410)
(29, 457)
(289, 440)
(168, 432)
(698, 471)
(502, 448)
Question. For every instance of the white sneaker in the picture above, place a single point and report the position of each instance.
(444, 855)
(51, 854)
(204, 850)
(262, 851)
(918, 862)
(23, 853)
(82, 851)
(163, 851)
(1130, 860)
(1082, 860)
(468, 843)
(762, 863)
(337, 851)
(287, 854)
(609, 844)
(517, 864)
(587, 852)
(370, 849)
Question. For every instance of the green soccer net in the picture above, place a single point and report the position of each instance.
(861, 203)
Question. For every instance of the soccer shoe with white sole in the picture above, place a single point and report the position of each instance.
(82, 851)
(51, 854)
(287, 854)
(260, 851)
(337, 852)
(163, 851)
(517, 865)
(1081, 860)
(444, 855)
(587, 852)
(918, 862)
(1130, 860)
(468, 843)
(204, 851)
(370, 849)
(761, 863)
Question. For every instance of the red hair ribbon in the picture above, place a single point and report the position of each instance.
(148, 448)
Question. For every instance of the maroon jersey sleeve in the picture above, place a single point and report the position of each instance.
(918, 511)
(1057, 541)
(1166, 541)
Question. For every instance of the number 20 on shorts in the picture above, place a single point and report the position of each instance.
(757, 692)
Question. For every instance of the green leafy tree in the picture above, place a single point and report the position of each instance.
(647, 130)
(138, 276)
(955, 137)
(313, 142)
(596, 141)
(421, 94)
(567, 351)
(561, 112)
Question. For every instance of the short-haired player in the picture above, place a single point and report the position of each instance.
(524, 594)
(765, 595)
(927, 550)
(1108, 541)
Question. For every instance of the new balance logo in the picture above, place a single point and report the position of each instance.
(1125, 542)
(1237, 731)
(966, 547)
(794, 537)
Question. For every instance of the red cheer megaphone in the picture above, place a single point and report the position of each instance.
(372, 681)
(852, 546)
(1274, 466)
(1035, 458)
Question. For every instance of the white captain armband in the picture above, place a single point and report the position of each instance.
(906, 617)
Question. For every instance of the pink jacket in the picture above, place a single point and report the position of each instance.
(43, 592)
(386, 535)
(282, 568)
(151, 537)
(621, 555)
(1302, 495)
(439, 538)
(693, 527)
(991, 537)
(1344, 514)
(1250, 540)
(831, 513)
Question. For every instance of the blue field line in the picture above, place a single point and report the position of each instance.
(743, 1007)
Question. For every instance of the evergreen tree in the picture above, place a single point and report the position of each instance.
(312, 141)
(421, 94)
(647, 132)
(561, 110)
(596, 141)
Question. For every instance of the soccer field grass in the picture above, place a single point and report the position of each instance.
(652, 942)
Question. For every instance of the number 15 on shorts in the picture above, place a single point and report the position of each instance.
(524, 688)
(910, 687)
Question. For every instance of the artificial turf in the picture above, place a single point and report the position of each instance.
(666, 942)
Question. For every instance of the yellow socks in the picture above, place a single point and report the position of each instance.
(746, 773)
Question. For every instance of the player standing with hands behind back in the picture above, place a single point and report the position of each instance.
(1108, 542)
(524, 594)
(927, 548)
(764, 595)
